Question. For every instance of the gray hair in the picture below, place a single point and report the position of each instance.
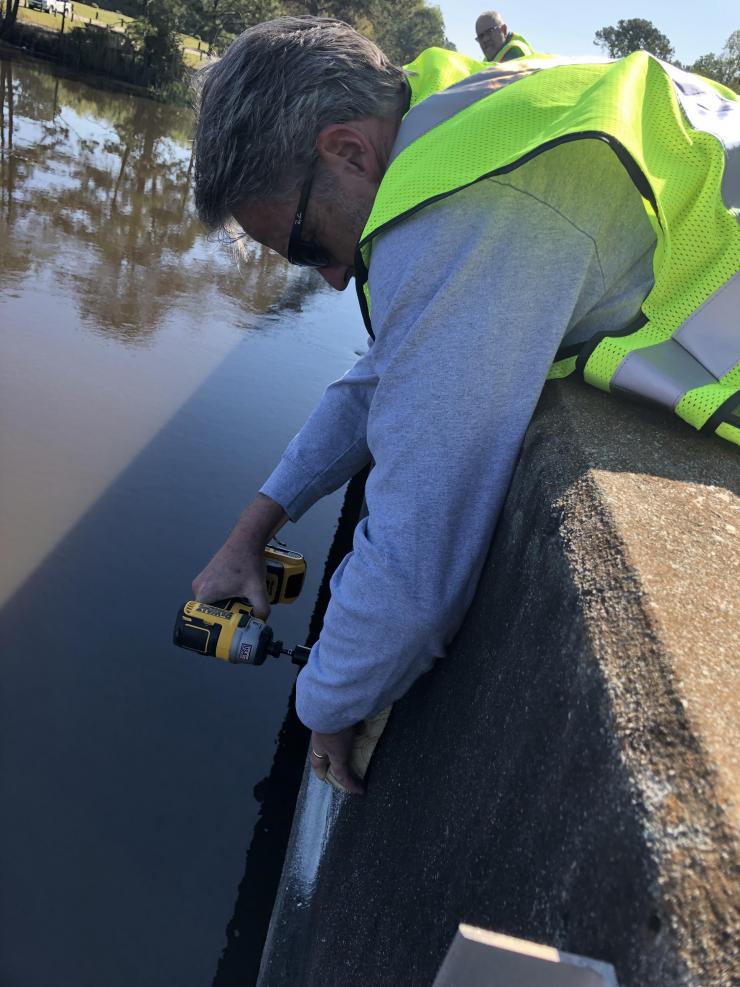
(491, 15)
(263, 104)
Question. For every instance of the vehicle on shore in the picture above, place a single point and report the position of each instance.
(51, 6)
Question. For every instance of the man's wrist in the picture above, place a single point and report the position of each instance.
(259, 522)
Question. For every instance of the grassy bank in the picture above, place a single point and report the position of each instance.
(111, 48)
(194, 50)
(105, 68)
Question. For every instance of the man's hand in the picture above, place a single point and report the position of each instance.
(238, 567)
(334, 749)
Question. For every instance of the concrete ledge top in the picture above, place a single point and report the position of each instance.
(673, 497)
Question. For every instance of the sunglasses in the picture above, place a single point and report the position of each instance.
(305, 253)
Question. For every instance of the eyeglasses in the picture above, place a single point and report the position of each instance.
(305, 253)
(488, 31)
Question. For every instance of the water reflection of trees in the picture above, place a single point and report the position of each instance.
(95, 187)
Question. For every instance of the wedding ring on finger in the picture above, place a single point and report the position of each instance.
(316, 754)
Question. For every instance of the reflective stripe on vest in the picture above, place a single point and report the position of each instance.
(708, 110)
(703, 350)
(686, 352)
(514, 47)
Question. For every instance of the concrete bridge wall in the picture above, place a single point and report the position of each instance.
(568, 774)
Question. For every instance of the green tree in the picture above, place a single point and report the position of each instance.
(218, 21)
(401, 28)
(155, 40)
(351, 11)
(725, 67)
(633, 35)
(404, 30)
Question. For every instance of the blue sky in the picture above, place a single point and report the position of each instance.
(568, 28)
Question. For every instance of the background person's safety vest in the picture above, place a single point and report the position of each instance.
(515, 46)
(678, 137)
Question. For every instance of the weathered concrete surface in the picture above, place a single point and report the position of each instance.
(569, 774)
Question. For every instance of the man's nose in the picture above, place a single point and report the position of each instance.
(337, 275)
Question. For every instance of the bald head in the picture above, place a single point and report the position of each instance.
(491, 32)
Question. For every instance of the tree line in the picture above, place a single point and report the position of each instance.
(163, 34)
(637, 33)
(402, 28)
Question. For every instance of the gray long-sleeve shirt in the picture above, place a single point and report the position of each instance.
(472, 297)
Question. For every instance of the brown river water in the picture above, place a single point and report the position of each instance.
(148, 383)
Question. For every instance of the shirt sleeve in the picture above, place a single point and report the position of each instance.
(471, 298)
(332, 445)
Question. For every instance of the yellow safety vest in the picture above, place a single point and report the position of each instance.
(680, 144)
(515, 46)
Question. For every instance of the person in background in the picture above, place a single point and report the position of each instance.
(497, 42)
(494, 243)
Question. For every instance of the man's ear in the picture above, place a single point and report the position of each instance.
(344, 147)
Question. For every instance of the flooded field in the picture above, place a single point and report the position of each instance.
(148, 383)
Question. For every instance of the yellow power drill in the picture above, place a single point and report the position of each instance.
(229, 630)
